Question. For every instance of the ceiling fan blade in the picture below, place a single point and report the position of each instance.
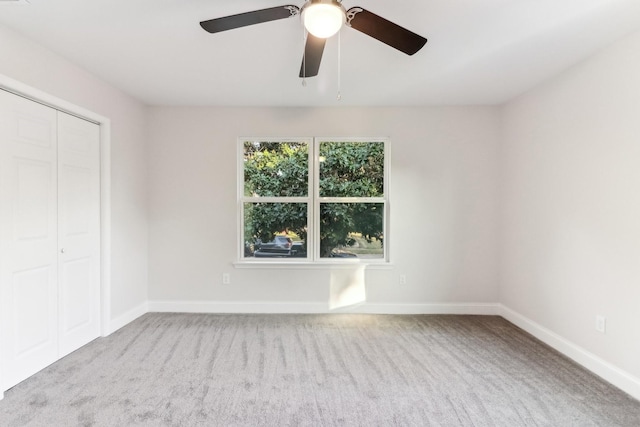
(249, 18)
(313, 49)
(385, 31)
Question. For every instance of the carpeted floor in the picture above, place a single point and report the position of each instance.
(317, 370)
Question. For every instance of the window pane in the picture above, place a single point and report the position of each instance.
(276, 169)
(351, 230)
(351, 169)
(275, 230)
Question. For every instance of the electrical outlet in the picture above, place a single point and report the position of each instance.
(601, 324)
(403, 279)
(226, 279)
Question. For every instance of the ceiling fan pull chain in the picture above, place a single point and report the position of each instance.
(339, 96)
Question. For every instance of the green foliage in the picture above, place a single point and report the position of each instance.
(347, 169)
(276, 169)
(351, 169)
(338, 220)
(264, 220)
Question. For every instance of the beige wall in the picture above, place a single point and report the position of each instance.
(570, 204)
(443, 201)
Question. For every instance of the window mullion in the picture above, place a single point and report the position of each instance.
(314, 175)
(351, 199)
(276, 199)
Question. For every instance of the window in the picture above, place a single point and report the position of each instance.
(314, 199)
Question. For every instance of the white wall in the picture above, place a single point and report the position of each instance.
(570, 205)
(443, 198)
(44, 70)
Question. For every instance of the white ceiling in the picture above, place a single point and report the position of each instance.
(479, 51)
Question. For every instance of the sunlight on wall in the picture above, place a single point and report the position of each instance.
(347, 287)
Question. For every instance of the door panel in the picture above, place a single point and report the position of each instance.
(32, 292)
(33, 205)
(78, 231)
(74, 289)
(28, 238)
(76, 210)
(34, 129)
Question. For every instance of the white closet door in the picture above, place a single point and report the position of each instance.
(49, 236)
(78, 232)
(28, 238)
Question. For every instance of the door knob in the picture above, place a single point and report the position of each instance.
(62, 250)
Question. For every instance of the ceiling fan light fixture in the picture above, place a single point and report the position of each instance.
(323, 18)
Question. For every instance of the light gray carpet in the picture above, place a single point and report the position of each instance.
(317, 370)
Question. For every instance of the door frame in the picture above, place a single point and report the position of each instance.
(44, 98)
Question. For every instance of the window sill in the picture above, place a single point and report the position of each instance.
(308, 265)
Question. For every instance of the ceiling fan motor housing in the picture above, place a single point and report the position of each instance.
(323, 18)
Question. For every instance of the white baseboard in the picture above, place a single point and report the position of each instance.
(489, 309)
(616, 376)
(127, 318)
(317, 307)
(235, 307)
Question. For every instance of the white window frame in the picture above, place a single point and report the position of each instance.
(313, 201)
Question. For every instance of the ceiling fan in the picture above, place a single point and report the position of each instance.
(323, 19)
